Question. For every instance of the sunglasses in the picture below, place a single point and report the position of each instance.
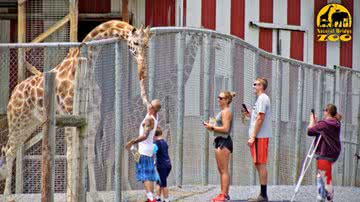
(256, 84)
(324, 110)
(221, 98)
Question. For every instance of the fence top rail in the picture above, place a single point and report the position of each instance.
(167, 30)
(347, 69)
(59, 44)
(235, 39)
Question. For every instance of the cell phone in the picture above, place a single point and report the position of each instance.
(203, 122)
(245, 108)
(313, 113)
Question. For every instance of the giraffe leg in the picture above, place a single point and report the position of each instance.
(9, 165)
(20, 130)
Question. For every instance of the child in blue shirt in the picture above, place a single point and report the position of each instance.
(163, 165)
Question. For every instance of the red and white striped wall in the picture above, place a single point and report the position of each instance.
(233, 17)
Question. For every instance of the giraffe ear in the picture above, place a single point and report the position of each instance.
(141, 28)
(147, 32)
(147, 29)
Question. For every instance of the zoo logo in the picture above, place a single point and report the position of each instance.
(334, 23)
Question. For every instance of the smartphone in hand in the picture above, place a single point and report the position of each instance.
(313, 113)
(245, 108)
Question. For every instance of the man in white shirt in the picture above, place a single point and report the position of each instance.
(260, 131)
(145, 168)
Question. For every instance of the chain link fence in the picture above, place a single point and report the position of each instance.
(187, 68)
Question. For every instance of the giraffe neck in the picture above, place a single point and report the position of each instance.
(109, 29)
(327, 12)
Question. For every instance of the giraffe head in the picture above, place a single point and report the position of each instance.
(138, 41)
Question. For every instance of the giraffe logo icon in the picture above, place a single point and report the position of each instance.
(334, 22)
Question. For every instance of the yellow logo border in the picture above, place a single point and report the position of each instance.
(334, 23)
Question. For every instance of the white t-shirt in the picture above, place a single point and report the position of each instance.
(146, 147)
(262, 105)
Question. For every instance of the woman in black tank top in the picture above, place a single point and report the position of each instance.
(223, 143)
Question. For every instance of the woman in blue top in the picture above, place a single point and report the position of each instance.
(223, 143)
(163, 165)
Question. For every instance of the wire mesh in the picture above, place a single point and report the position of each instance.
(289, 101)
(42, 14)
(249, 63)
(243, 80)
(103, 129)
(193, 56)
(44, 59)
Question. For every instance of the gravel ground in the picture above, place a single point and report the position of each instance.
(191, 193)
(279, 193)
(194, 193)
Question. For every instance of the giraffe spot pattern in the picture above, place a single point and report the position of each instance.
(62, 74)
(21, 87)
(68, 101)
(40, 102)
(17, 102)
(41, 83)
(72, 75)
(33, 93)
(40, 92)
(9, 107)
(65, 84)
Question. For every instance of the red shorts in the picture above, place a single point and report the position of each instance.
(324, 165)
(259, 150)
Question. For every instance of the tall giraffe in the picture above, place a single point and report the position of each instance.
(25, 107)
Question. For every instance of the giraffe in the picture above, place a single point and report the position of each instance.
(324, 18)
(25, 107)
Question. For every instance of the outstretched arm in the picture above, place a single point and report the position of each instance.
(143, 92)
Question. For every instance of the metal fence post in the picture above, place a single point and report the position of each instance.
(231, 88)
(319, 101)
(337, 103)
(347, 136)
(318, 111)
(277, 122)
(79, 145)
(118, 121)
(357, 146)
(48, 144)
(298, 130)
(180, 108)
(255, 73)
(151, 68)
(205, 137)
(4, 79)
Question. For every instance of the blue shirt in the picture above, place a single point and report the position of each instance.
(162, 155)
